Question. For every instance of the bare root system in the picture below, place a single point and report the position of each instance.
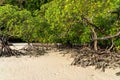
(99, 59)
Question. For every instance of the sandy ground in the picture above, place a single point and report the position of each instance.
(52, 66)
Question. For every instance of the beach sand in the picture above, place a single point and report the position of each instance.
(51, 66)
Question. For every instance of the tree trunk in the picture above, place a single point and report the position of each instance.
(95, 39)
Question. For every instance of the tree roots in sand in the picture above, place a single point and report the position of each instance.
(99, 59)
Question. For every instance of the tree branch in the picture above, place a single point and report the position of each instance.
(93, 25)
(103, 38)
(111, 45)
(108, 37)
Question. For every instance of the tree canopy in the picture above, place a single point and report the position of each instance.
(62, 21)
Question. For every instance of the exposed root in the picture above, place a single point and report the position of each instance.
(99, 59)
(5, 50)
(34, 50)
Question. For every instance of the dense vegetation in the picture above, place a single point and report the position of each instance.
(85, 22)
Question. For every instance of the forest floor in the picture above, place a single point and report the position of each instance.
(51, 66)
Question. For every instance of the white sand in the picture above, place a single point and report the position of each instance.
(49, 67)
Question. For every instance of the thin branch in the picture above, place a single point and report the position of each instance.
(108, 37)
(93, 25)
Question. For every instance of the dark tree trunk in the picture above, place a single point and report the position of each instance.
(5, 50)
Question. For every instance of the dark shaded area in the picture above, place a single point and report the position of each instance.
(15, 40)
(27, 4)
